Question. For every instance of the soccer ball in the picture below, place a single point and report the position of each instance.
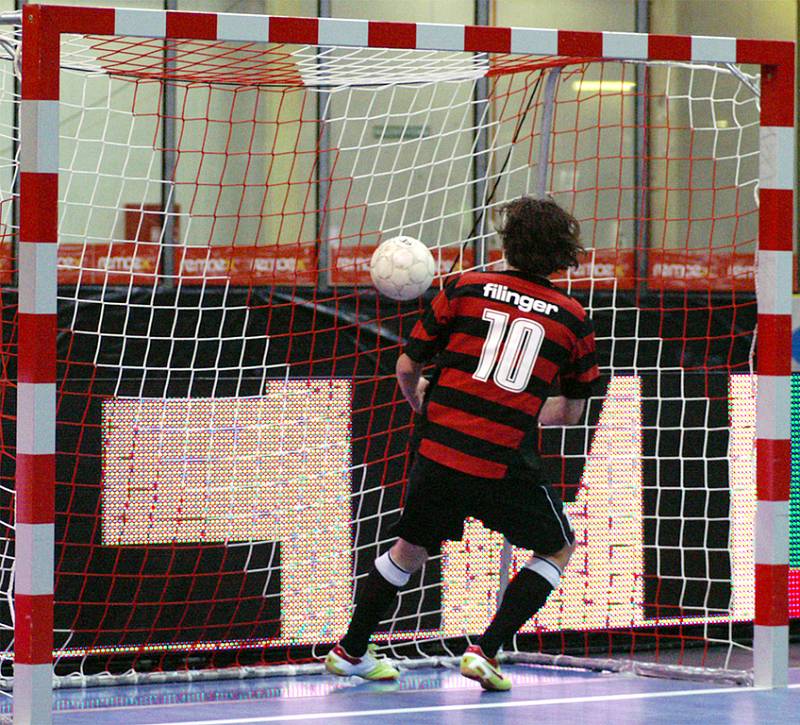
(402, 268)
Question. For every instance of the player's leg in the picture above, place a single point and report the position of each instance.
(534, 520)
(429, 516)
(378, 592)
(525, 595)
(392, 570)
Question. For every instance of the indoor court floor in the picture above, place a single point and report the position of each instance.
(435, 695)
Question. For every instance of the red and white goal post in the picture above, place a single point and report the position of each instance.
(200, 424)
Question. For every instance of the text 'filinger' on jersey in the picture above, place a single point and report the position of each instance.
(524, 303)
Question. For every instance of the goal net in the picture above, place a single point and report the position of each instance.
(231, 447)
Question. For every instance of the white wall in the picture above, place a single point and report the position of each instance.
(772, 19)
(275, 135)
(566, 14)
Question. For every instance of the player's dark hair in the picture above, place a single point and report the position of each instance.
(538, 236)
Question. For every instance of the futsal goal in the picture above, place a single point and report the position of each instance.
(203, 446)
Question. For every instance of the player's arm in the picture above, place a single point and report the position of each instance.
(560, 410)
(428, 337)
(577, 381)
(411, 382)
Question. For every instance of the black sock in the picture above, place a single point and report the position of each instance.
(375, 596)
(525, 595)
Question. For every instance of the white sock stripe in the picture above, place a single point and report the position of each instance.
(390, 571)
(545, 569)
(394, 564)
(548, 561)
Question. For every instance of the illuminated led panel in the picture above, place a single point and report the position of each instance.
(794, 504)
(742, 477)
(272, 468)
(603, 585)
(277, 468)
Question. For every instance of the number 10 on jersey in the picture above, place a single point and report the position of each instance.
(520, 342)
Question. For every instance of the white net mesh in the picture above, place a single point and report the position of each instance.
(232, 447)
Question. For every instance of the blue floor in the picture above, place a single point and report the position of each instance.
(540, 694)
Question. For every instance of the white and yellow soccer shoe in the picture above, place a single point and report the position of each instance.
(370, 666)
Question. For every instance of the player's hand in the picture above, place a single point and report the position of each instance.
(419, 397)
(558, 410)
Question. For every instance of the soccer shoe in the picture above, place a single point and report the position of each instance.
(370, 666)
(477, 666)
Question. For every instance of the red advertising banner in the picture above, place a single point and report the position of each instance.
(137, 263)
(6, 261)
(117, 263)
(247, 266)
(683, 269)
(602, 269)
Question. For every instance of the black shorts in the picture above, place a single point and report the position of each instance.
(438, 499)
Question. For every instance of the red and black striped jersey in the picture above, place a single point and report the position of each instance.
(502, 343)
